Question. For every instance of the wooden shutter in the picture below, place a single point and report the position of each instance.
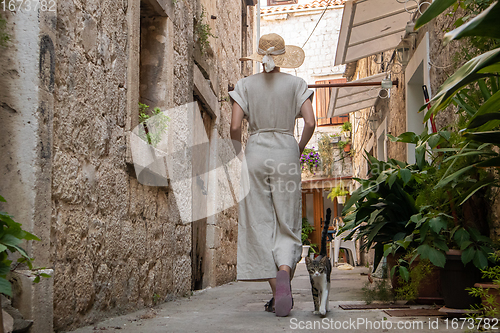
(281, 2)
(322, 102)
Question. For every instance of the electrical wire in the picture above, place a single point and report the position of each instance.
(328, 4)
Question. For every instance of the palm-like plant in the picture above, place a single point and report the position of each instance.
(381, 208)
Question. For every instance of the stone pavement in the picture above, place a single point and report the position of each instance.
(239, 307)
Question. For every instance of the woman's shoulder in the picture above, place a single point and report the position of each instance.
(293, 78)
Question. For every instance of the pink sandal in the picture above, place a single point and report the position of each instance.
(283, 299)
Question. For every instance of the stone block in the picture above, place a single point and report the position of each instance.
(213, 238)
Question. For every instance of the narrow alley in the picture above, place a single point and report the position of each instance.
(157, 153)
(239, 307)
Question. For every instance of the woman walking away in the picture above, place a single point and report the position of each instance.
(270, 216)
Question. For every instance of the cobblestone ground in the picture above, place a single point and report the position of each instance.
(239, 307)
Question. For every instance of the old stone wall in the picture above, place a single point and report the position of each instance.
(232, 23)
(389, 111)
(118, 245)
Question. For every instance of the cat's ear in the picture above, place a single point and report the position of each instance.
(308, 260)
(324, 260)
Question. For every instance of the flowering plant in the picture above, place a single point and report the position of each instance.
(309, 159)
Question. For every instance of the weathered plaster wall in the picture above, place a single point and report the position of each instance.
(296, 27)
(26, 107)
(390, 109)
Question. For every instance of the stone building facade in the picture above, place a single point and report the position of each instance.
(393, 114)
(72, 78)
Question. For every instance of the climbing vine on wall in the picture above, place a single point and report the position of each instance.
(203, 31)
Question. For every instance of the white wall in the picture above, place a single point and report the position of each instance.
(295, 28)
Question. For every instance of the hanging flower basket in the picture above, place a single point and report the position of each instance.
(310, 160)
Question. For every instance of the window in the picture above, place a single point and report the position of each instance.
(281, 2)
(322, 102)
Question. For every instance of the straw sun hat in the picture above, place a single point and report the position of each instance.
(273, 52)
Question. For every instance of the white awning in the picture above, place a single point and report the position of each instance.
(349, 99)
(370, 27)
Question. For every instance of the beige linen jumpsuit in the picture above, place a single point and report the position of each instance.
(270, 216)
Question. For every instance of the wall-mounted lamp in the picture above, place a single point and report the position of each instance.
(373, 122)
(403, 52)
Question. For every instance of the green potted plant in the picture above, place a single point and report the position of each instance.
(445, 232)
(307, 229)
(467, 179)
(345, 146)
(338, 192)
(489, 292)
(346, 129)
(385, 207)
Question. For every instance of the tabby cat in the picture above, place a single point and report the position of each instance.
(319, 273)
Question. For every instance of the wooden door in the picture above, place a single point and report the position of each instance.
(200, 162)
(317, 213)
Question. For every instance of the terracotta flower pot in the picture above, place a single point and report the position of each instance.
(429, 290)
(347, 148)
(491, 289)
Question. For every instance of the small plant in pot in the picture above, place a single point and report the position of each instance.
(346, 129)
(338, 192)
(345, 146)
(489, 292)
(307, 229)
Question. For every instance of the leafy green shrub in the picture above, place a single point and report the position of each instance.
(379, 290)
(11, 236)
(307, 229)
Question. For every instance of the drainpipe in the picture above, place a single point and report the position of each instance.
(257, 64)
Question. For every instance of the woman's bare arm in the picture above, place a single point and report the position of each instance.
(236, 119)
(309, 124)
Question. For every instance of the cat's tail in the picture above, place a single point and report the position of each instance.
(324, 234)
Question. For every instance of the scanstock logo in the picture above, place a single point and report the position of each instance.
(172, 149)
